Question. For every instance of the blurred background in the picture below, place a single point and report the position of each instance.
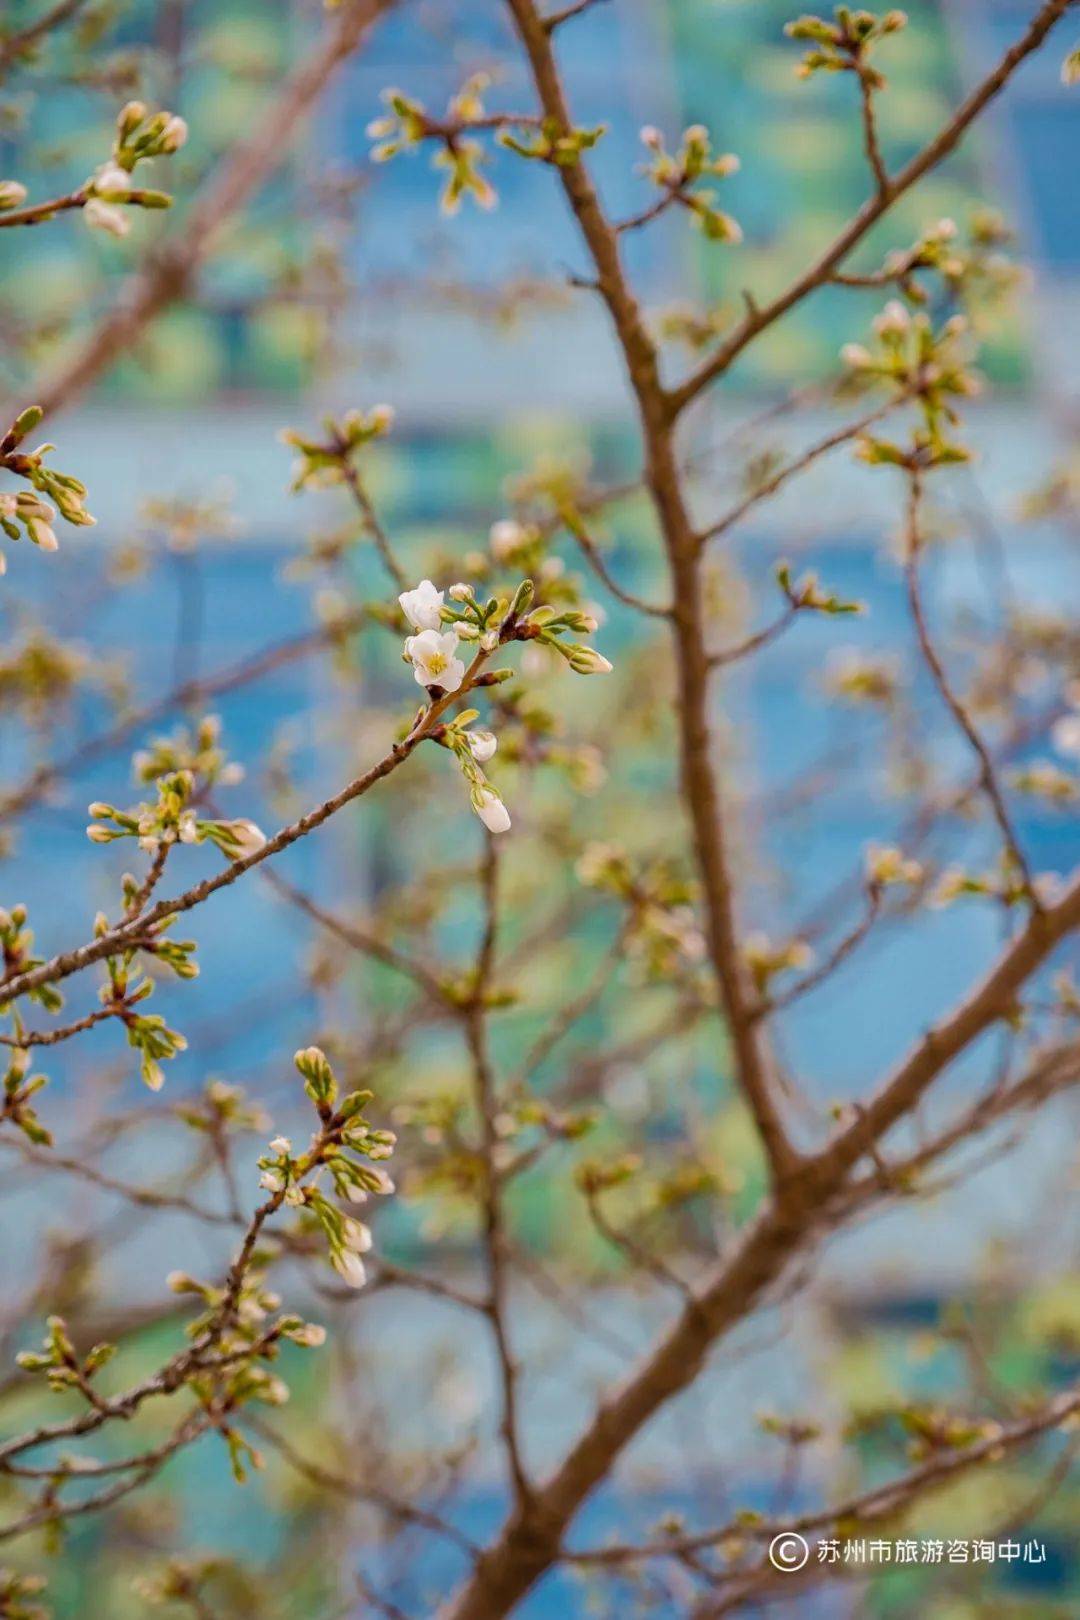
(343, 285)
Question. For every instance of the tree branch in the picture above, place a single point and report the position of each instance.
(760, 318)
(168, 272)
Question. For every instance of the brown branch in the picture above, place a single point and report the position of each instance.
(576, 9)
(15, 45)
(52, 1511)
(943, 1042)
(53, 1037)
(360, 1490)
(107, 944)
(372, 522)
(753, 644)
(359, 940)
(700, 793)
(870, 132)
(593, 557)
(883, 1501)
(758, 319)
(495, 1240)
(841, 951)
(141, 1197)
(792, 468)
(987, 774)
(576, 1008)
(760, 1256)
(200, 690)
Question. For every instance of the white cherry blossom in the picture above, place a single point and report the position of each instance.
(434, 659)
(423, 606)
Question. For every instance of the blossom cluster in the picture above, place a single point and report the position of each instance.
(931, 366)
(442, 622)
(32, 510)
(678, 174)
(344, 1141)
(139, 135)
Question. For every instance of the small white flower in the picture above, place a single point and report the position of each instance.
(349, 1265)
(491, 810)
(105, 216)
(489, 641)
(482, 744)
(385, 1185)
(112, 182)
(187, 827)
(460, 593)
(650, 136)
(272, 1181)
(434, 659)
(281, 1144)
(423, 607)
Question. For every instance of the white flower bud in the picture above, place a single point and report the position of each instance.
(491, 810)
(42, 534)
(104, 216)
(174, 134)
(355, 1235)
(349, 1265)
(482, 745)
(112, 182)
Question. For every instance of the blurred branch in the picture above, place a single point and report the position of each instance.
(132, 930)
(987, 774)
(12, 46)
(169, 271)
(493, 1214)
(190, 693)
(792, 469)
